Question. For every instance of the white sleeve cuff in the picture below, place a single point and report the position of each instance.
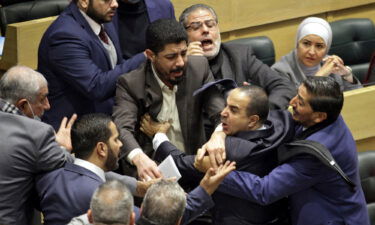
(132, 154)
(159, 138)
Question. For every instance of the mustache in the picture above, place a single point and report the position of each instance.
(178, 69)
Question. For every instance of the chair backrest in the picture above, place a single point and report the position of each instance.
(262, 46)
(11, 2)
(354, 41)
(30, 10)
(366, 161)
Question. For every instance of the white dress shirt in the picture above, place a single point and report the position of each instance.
(90, 166)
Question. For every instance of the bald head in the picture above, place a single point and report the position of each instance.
(112, 203)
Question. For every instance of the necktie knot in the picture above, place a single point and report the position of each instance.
(103, 35)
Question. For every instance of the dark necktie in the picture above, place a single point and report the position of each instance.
(103, 35)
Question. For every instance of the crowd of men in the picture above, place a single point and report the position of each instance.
(120, 86)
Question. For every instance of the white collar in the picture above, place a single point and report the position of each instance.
(94, 25)
(162, 85)
(90, 166)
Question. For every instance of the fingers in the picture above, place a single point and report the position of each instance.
(213, 162)
(63, 123)
(195, 48)
(72, 120)
(201, 152)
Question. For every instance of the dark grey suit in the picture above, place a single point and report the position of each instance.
(28, 148)
(238, 62)
(138, 93)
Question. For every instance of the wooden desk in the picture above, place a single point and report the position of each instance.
(359, 115)
(22, 42)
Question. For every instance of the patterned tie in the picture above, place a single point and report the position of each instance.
(103, 35)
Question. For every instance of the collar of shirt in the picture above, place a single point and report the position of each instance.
(94, 25)
(90, 166)
(9, 108)
(163, 86)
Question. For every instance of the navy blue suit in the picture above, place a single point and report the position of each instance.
(317, 194)
(66, 193)
(77, 67)
(253, 151)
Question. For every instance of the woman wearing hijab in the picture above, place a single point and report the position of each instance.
(313, 40)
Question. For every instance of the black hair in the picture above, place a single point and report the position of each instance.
(87, 132)
(162, 32)
(258, 104)
(326, 96)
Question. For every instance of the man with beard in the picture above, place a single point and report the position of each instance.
(80, 56)
(232, 60)
(163, 87)
(66, 192)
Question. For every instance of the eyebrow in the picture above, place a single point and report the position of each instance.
(300, 97)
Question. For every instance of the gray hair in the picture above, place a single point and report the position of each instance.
(164, 203)
(21, 82)
(184, 15)
(112, 203)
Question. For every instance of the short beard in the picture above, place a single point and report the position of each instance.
(93, 14)
(112, 161)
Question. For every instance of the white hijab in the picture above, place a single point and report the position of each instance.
(319, 27)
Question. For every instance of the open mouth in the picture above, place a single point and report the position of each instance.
(206, 43)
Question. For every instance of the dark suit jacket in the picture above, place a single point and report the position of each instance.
(28, 148)
(138, 93)
(239, 63)
(66, 193)
(253, 151)
(77, 67)
(317, 194)
(156, 9)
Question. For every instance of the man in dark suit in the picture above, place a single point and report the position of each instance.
(232, 60)
(316, 186)
(253, 136)
(96, 146)
(132, 19)
(163, 87)
(28, 147)
(80, 57)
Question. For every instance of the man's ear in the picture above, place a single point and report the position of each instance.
(89, 216)
(101, 149)
(83, 4)
(253, 121)
(319, 117)
(23, 105)
(150, 55)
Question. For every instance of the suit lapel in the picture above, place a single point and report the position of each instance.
(181, 102)
(85, 25)
(153, 95)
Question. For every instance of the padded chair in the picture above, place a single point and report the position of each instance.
(366, 161)
(354, 41)
(10, 2)
(262, 46)
(30, 10)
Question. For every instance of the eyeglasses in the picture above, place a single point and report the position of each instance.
(199, 24)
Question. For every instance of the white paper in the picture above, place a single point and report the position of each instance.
(169, 169)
